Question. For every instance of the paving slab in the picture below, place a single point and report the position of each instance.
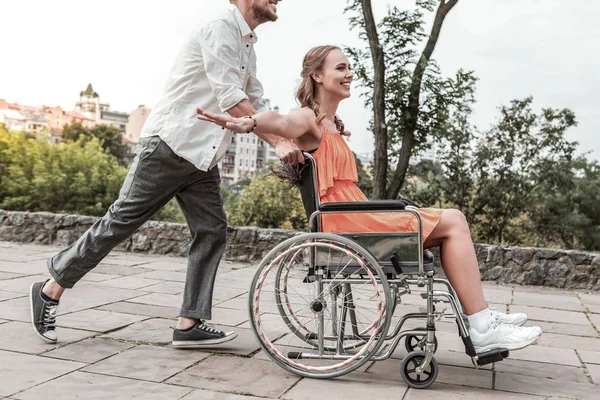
(166, 287)
(564, 302)
(21, 285)
(358, 386)
(592, 357)
(85, 385)
(208, 395)
(97, 277)
(82, 297)
(22, 371)
(164, 275)
(165, 363)
(10, 275)
(542, 370)
(97, 320)
(4, 295)
(594, 371)
(27, 268)
(595, 319)
(566, 329)
(155, 331)
(542, 386)
(570, 342)
(128, 282)
(590, 298)
(89, 350)
(148, 310)
(160, 299)
(259, 378)
(19, 336)
(445, 391)
(16, 309)
(550, 315)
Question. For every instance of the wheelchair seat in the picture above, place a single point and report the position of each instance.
(404, 246)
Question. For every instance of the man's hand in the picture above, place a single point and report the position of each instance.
(238, 125)
(288, 152)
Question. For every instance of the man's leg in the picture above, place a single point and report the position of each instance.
(155, 176)
(202, 204)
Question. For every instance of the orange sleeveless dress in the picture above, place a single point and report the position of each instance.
(337, 177)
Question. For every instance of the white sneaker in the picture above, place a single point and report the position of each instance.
(517, 319)
(505, 336)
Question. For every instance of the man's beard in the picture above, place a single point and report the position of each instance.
(262, 14)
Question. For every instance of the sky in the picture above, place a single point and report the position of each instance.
(518, 48)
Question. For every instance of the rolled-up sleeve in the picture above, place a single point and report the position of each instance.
(221, 56)
(255, 93)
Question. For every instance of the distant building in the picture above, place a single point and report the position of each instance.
(246, 155)
(100, 113)
(137, 118)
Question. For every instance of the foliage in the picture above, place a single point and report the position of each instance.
(77, 177)
(417, 99)
(266, 202)
(519, 182)
(110, 138)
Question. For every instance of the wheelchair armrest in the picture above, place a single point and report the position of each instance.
(376, 205)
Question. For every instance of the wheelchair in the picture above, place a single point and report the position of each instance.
(321, 304)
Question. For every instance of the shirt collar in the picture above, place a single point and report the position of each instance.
(243, 25)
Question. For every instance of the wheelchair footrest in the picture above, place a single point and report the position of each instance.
(491, 356)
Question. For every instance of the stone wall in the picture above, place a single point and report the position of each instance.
(527, 266)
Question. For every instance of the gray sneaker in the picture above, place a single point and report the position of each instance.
(43, 314)
(200, 335)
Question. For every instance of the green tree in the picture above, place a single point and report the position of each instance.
(75, 177)
(496, 177)
(409, 97)
(110, 137)
(266, 202)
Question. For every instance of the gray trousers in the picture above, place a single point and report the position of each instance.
(156, 176)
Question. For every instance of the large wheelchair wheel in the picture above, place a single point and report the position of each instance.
(319, 305)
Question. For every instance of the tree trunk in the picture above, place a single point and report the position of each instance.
(380, 165)
(411, 113)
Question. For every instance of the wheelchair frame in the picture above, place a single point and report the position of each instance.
(419, 367)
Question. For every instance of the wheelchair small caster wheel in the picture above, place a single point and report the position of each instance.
(414, 342)
(409, 370)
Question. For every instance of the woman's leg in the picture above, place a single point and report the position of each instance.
(458, 259)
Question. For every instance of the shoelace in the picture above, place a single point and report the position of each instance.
(49, 320)
(210, 329)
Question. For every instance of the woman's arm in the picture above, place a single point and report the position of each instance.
(291, 126)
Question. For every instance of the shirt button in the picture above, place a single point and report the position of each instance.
(243, 67)
(247, 45)
(214, 147)
(251, 36)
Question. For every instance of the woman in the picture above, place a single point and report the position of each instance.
(326, 80)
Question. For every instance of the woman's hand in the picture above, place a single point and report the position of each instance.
(239, 125)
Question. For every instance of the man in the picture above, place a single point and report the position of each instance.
(177, 157)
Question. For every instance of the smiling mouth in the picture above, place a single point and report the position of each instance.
(346, 85)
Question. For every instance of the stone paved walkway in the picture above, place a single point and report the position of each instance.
(114, 329)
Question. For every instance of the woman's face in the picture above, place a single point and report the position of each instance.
(336, 76)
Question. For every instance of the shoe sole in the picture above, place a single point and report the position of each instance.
(45, 339)
(190, 344)
(513, 347)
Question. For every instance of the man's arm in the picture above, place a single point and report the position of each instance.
(286, 150)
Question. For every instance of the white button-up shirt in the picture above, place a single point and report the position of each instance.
(215, 70)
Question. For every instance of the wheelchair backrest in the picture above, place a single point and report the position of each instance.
(309, 187)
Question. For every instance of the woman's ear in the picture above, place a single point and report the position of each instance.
(317, 78)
